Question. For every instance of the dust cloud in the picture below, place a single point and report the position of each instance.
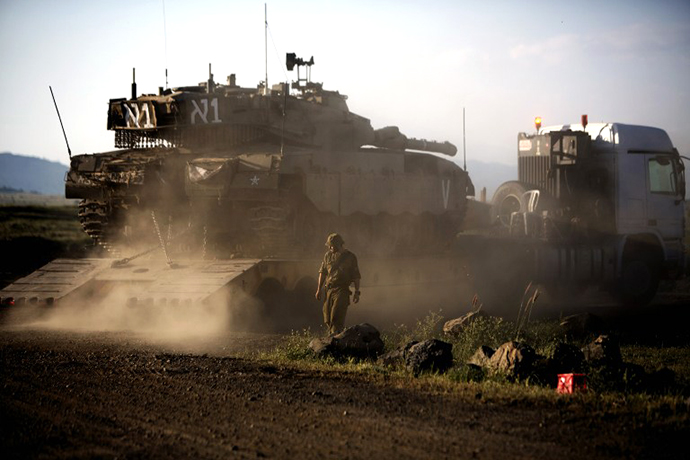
(174, 323)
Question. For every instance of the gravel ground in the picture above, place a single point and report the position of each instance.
(112, 394)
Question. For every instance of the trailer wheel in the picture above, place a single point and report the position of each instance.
(273, 297)
(639, 279)
(305, 309)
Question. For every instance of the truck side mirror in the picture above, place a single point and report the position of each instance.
(680, 177)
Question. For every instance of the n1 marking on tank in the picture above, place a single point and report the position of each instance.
(134, 116)
(203, 114)
(445, 190)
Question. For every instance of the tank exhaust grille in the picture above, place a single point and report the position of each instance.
(129, 139)
(203, 136)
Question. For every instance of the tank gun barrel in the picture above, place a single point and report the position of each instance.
(390, 137)
(445, 148)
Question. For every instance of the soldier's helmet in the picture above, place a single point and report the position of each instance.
(334, 239)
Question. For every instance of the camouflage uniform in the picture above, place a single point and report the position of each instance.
(340, 270)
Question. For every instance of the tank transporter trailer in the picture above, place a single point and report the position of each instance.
(218, 190)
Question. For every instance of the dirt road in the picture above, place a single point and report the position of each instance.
(87, 394)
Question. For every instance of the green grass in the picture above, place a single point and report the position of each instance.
(31, 236)
(56, 223)
(636, 378)
(653, 358)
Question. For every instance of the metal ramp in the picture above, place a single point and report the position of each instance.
(54, 281)
(140, 281)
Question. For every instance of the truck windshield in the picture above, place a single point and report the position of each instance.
(663, 177)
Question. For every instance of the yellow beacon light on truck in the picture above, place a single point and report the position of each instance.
(537, 122)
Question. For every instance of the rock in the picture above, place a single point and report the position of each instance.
(662, 380)
(430, 355)
(392, 358)
(542, 372)
(323, 345)
(633, 376)
(455, 326)
(514, 359)
(604, 350)
(397, 356)
(482, 356)
(567, 359)
(359, 341)
(474, 373)
(582, 325)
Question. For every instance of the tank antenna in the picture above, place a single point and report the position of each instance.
(266, 47)
(69, 151)
(464, 149)
(165, 41)
(134, 83)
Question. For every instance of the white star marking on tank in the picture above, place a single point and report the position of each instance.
(254, 180)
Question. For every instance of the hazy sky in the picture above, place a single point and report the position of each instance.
(414, 64)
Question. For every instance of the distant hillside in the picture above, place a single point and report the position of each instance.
(489, 175)
(32, 174)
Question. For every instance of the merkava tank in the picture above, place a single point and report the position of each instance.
(225, 171)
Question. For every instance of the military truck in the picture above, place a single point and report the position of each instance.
(264, 173)
(595, 204)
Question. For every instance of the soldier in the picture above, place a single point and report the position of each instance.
(338, 271)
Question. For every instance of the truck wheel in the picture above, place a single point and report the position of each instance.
(507, 199)
(565, 294)
(639, 281)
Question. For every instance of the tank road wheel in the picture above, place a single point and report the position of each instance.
(449, 225)
(408, 231)
(385, 233)
(305, 310)
(359, 234)
(427, 232)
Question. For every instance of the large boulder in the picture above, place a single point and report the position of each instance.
(582, 325)
(604, 350)
(455, 326)
(359, 341)
(514, 359)
(661, 381)
(430, 355)
(567, 359)
(396, 357)
(482, 356)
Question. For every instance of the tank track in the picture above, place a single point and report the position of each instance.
(95, 219)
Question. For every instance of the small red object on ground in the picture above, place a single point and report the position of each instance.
(570, 383)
